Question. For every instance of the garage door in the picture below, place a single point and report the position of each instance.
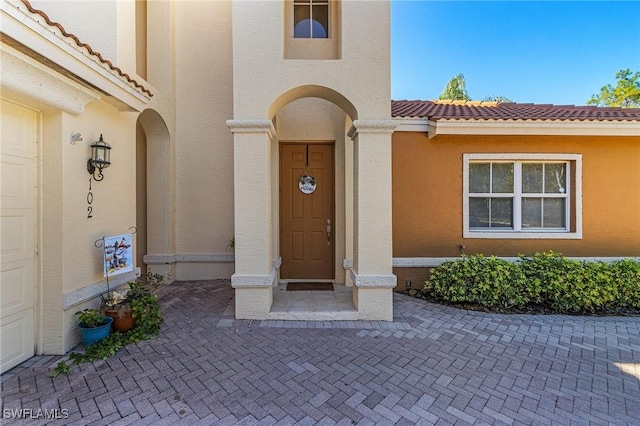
(17, 237)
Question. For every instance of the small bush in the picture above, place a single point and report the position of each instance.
(626, 274)
(544, 279)
(489, 281)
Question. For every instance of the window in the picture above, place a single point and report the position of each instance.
(311, 18)
(521, 196)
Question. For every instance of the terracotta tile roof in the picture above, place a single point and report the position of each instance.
(89, 49)
(472, 110)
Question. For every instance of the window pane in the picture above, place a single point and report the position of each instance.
(320, 27)
(532, 178)
(302, 21)
(502, 212)
(478, 212)
(554, 213)
(502, 178)
(554, 179)
(479, 177)
(532, 213)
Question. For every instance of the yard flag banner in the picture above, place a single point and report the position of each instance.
(118, 255)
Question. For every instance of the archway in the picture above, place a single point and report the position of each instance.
(311, 124)
(313, 91)
(155, 191)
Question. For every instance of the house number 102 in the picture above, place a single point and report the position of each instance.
(89, 201)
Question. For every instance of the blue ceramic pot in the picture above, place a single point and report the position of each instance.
(92, 335)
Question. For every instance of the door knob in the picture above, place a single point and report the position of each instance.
(328, 232)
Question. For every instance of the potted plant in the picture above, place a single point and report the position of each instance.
(129, 304)
(118, 306)
(144, 300)
(93, 325)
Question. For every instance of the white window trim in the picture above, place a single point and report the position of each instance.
(524, 234)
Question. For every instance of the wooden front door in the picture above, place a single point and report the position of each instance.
(306, 219)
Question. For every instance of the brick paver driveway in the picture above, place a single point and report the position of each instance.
(432, 365)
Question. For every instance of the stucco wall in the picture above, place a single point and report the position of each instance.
(427, 195)
(112, 210)
(203, 143)
(261, 75)
(94, 23)
(70, 263)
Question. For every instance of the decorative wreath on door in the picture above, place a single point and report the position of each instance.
(307, 184)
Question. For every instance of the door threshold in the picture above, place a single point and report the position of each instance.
(308, 280)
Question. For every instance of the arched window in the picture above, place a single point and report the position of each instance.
(311, 19)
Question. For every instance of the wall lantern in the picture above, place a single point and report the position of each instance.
(100, 156)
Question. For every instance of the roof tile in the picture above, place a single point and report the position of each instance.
(475, 110)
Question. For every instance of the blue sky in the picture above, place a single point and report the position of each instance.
(558, 52)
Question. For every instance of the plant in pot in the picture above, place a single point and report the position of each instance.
(128, 305)
(93, 325)
(142, 296)
(142, 300)
(118, 306)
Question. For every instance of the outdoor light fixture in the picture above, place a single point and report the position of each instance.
(100, 155)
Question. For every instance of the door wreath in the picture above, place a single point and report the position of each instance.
(307, 184)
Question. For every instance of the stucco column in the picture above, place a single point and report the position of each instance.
(372, 272)
(254, 273)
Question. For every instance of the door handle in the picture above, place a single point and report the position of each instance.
(328, 232)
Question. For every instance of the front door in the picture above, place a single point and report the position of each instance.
(306, 210)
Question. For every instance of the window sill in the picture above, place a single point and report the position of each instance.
(523, 235)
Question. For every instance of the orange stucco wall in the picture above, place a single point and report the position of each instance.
(427, 195)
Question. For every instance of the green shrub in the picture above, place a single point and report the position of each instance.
(626, 274)
(546, 279)
(489, 281)
(570, 286)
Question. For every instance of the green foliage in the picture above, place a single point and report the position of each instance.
(146, 311)
(500, 99)
(626, 273)
(61, 368)
(455, 89)
(547, 279)
(489, 281)
(625, 94)
(90, 318)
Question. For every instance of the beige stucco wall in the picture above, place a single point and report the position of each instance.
(70, 266)
(362, 75)
(204, 145)
(359, 83)
(68, 261)
(95, 23)
(112, 210)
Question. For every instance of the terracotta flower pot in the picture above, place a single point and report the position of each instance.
(121, 323)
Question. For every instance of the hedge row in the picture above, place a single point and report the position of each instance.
(544, 279)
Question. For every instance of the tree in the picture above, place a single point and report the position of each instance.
(455, 90)
(625, 94)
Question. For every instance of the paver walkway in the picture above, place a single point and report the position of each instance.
(433, 364)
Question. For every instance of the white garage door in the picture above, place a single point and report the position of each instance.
(17, 238)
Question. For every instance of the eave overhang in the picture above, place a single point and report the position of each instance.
(519, 127)
(22, 31)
